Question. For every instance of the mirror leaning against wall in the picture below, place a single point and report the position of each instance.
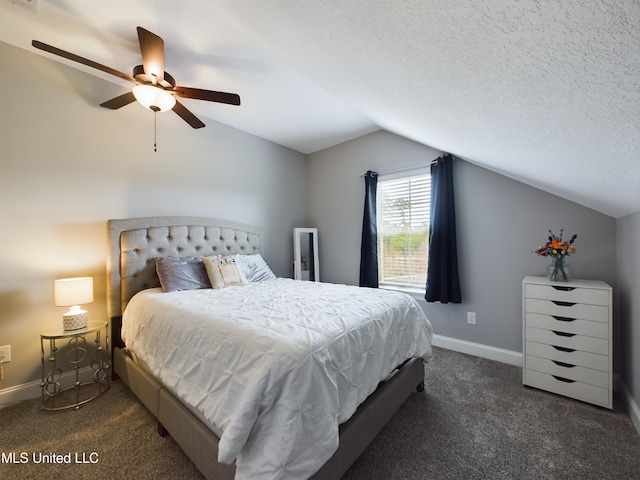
(305, 254)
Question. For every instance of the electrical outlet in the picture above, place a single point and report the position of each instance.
(5, 353)
(471, 318)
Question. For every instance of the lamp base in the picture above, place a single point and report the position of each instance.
(75, 320)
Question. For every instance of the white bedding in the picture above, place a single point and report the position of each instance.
(277, 365)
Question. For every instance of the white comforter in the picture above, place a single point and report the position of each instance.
(275, 366)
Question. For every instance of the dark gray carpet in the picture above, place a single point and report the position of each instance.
(475, 421)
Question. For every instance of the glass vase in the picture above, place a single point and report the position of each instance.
(559, 270)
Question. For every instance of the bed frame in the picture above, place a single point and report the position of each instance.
(133, 245)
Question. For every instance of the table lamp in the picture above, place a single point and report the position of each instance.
(71, 292)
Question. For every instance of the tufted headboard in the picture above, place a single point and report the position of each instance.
(134, 243)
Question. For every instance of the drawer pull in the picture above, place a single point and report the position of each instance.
(563, 319)
(563, 304)
(563, 289)
(562, 379)
(564, 334)
(563, 364)
(564, 349)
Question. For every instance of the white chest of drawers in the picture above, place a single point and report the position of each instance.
(567, 338)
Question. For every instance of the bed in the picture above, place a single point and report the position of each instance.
(134, 247)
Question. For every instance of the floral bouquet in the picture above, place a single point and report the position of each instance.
(558, 249)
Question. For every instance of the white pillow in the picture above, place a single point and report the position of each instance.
(224, 270)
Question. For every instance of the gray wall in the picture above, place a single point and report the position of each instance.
(627, 298)
(336, 195)
(499, 222)
(67, 165)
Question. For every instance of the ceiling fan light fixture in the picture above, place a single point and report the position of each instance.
(155, 89)
(154, 98)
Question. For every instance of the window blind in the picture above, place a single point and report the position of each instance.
(403, 230)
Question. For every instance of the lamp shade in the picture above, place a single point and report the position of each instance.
(149, 96)
(73, 291)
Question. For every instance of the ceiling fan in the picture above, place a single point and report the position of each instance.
(154, 88)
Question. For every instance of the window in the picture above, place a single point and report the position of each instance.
(403, 230)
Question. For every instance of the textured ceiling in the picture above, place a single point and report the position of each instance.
(546, 92)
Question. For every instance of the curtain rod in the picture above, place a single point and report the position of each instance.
(403, 169)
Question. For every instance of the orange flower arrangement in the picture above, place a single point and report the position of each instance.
(558, 249)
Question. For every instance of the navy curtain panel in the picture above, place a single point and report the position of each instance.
(443, 283)
(369, 245)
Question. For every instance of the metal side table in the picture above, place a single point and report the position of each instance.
(77, 352)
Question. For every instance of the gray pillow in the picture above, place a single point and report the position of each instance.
(254, 268)
(177, 274)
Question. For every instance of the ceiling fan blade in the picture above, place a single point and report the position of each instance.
(209, 95)
(119, 101)
(187, 116)
(152, 49)
(82, 60)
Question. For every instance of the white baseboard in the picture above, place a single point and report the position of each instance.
(632, 407)
(19, 393)
(28, 391)
(479, 350)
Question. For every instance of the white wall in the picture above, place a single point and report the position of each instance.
(499, 222)
(67, 165)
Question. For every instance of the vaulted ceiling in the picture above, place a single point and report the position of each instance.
(544, 91)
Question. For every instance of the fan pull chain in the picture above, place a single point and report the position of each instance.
(155, 127)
